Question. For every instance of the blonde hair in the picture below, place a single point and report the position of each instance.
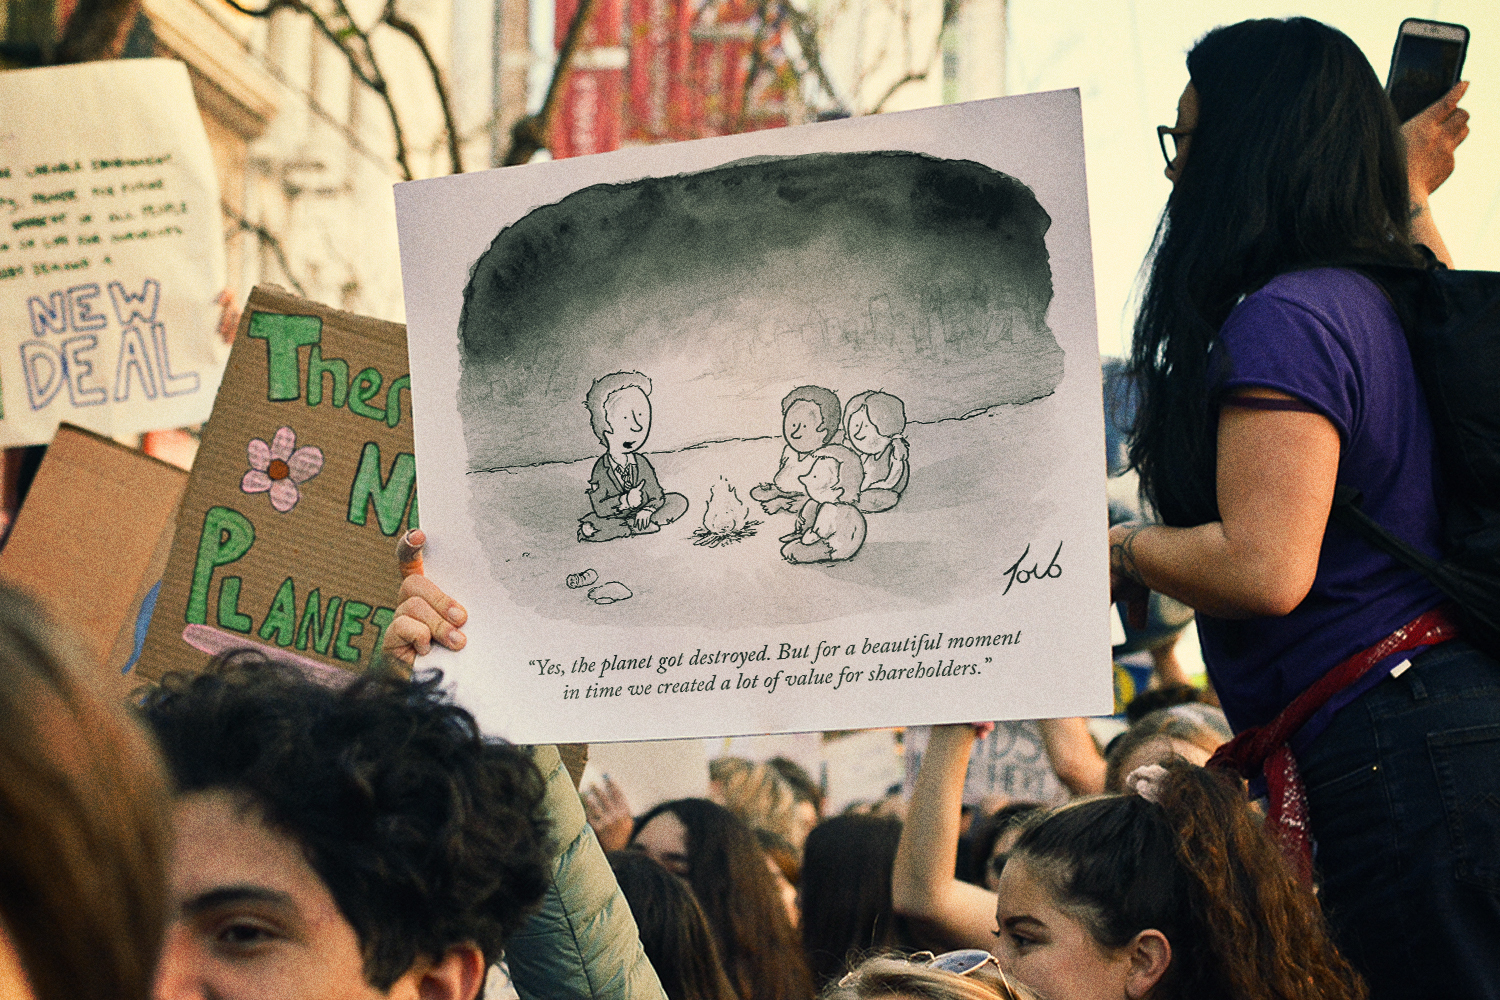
(759, 795)
(893, 976)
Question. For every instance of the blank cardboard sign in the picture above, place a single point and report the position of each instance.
(91, 542)
(286, 539)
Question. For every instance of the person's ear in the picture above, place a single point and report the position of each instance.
(458, 975)
(1150, 953)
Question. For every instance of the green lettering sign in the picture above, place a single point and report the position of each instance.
(353, 624)
(227, 535)
(366, 388)
(317, 625)
(281, 619)
(229, 606)
(335, 368)
(283, 336)
(389, 495)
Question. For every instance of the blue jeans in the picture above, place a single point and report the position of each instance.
(1403, 795)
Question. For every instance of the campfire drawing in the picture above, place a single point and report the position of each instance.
(726, 518)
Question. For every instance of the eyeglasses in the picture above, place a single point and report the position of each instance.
(1178, 136)
(962, 962)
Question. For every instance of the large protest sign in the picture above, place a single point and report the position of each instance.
(91, 542)
(111, 251)
(777, 432)
(286, 537)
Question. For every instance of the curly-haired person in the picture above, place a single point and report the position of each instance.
(358, 842)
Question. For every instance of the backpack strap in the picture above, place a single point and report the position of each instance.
(1348, 513)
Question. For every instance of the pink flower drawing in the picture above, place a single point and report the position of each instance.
(280, 468)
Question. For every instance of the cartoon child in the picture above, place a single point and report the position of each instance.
(830, 527)
(809, 420)
(873, 426)
(626, 497)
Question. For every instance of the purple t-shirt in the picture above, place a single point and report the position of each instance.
(1331, 339)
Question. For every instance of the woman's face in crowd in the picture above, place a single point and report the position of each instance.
(1049, 950)
(664, 840)
(1187, 121)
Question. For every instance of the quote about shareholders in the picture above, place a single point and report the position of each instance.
(771, 668)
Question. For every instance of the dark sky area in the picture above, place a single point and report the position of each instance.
(926, 278)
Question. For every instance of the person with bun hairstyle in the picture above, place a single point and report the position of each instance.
(1271, 370)
(1172, 893)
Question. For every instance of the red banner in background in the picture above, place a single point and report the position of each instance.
(663, 71)
(588, 118)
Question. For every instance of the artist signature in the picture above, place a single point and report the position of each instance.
(1016, 574)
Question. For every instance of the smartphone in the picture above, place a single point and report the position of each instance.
(1425, 64)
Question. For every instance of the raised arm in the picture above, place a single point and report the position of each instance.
(1431, 139)
(923, 886)
(1074, 755)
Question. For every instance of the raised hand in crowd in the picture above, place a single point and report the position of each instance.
(424, 614)
(1431, 139)
(609, 814)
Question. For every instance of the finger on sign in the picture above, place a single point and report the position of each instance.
(409, 552)
(422, 588)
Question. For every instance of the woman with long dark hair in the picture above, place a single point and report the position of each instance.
(846, 894)
(719, 857)
(674, 932)
(1269, 372)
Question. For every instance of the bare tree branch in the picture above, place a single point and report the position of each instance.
(367, 70)
(951, 10)
(411, 31)
(806, 34)
(531, 132)
(267, 239)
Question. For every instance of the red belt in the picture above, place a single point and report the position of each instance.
(1263, 749)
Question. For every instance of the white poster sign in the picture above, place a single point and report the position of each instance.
(111, 251)
(794, 430)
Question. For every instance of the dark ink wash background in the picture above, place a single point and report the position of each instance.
(940, 255)
(922, 277)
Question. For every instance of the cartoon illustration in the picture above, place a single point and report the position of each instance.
(726, 518)
(809, 420)
(830, 527)
(783, 284)
(623, 489)
(874, 423)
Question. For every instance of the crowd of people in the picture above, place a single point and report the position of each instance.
(252, 832)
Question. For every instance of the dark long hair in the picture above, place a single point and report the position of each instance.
(674, 932)
(730, 877)
(1296, 160)
(846, 893)
(1199, 868)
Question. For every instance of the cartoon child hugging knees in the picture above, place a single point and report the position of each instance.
(830, 527)
(623, 490)
(809, 420)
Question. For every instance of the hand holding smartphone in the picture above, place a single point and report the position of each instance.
(1425, 64)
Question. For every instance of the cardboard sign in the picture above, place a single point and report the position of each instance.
(286, 540)
(111, 251)
(787, 431)
(91, 543)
